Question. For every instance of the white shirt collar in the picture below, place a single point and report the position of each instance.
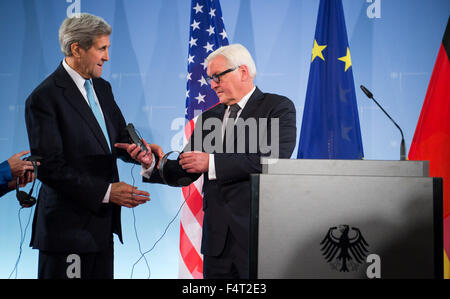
(245, 99)
(79, 82)
(77, 78)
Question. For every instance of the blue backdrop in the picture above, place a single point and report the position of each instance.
(393, 45)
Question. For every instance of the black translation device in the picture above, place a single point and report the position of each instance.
(134, 138)
(27, 200)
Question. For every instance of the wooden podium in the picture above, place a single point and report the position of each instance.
(346, 219)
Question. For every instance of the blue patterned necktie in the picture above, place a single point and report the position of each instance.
(96, 110)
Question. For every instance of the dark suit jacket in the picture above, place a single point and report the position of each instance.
(226, 200)
(77, 165)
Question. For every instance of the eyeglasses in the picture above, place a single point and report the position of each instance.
(216, 78)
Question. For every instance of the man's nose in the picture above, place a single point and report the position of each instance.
(106, 55)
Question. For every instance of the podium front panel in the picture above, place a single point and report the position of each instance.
(299, 221)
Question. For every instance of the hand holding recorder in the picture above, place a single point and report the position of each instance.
(139, 149)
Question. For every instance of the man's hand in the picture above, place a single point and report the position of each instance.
(145, 158)
(195, 162)
(23, 180)
(157, 150)
(18, 166)
(126, 195)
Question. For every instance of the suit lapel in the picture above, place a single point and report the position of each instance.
(252, 104)
(217, 111)
(74, 97)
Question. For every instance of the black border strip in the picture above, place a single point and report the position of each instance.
(438, 228)
(254, 226)
(446, 39)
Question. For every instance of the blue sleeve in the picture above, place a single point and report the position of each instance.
(5, 177)
(5, 173)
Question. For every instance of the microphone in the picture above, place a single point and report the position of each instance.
(402, 144)
(368, 93)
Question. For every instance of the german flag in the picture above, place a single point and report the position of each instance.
(432, 137)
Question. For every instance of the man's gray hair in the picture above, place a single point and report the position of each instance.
(236, 55)
(82, 29)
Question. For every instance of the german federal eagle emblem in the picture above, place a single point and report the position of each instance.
(344, 249)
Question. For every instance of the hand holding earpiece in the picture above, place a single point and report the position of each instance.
(18, 166)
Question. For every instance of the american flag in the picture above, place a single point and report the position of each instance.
(207, 33)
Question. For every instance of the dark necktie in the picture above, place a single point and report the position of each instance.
(229, 138)
(234, 111)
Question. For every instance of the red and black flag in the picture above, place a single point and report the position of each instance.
(432, 137)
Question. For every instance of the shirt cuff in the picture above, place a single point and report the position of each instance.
(212, 168)
(108, 192)
(147, 172)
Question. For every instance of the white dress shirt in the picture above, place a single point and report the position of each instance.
(241, 103)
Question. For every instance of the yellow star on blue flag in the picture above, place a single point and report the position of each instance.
(347, 59)
(317, 51)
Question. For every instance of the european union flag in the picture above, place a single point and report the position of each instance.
(330, 126)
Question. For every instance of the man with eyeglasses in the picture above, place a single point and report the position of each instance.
(226, 169)
(226, 187)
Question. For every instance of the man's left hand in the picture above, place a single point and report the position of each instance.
(195, 162)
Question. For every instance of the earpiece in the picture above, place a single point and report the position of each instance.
(183, 181)
(26, 200)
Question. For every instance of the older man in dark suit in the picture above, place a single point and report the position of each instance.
(252, 124)
(72, 121)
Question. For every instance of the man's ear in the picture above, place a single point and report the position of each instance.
(75, 48)
(245, 75)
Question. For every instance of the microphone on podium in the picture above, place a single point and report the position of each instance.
(402, 145)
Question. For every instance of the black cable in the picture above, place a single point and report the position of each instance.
(165, 231)
(22, 238)
(162, 236)
(136, 233)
